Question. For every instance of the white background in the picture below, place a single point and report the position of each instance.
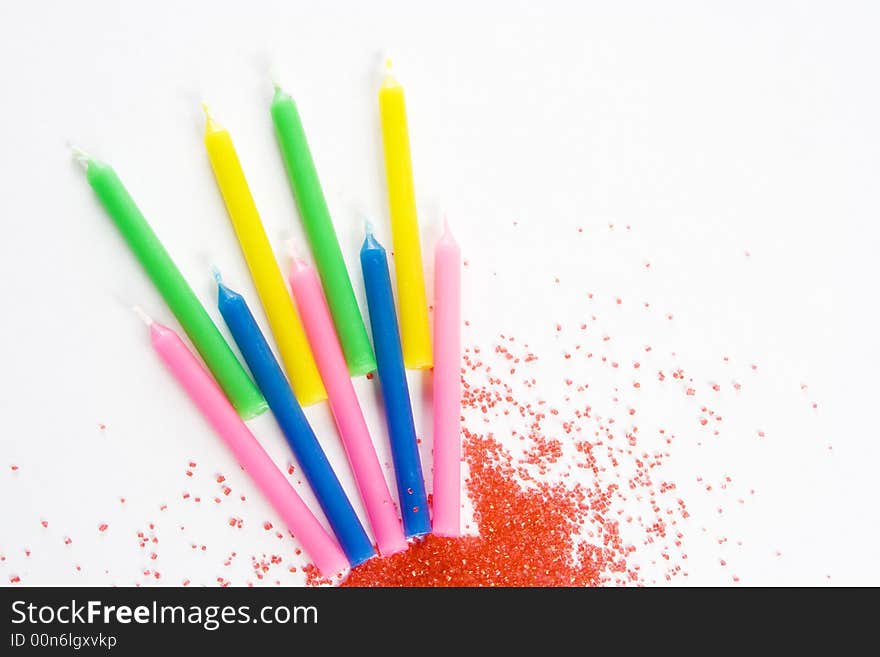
(739, 141)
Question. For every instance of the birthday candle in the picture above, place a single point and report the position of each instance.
(294, 425)
(173, 287)
(346, 410)
(447, 386)
(327, 555)
(283, 320)
(322, 237)
(395, 393)
(412, 301)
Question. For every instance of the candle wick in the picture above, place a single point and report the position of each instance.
(273, 77)
(207, 111)
(80, 156)
(368, 226)
(145, 318)
(289, 248)
(215, 271)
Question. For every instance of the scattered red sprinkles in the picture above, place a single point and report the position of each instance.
(535, 528)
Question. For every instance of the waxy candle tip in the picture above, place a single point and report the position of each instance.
(273, 77)
(288, 247)
(144, 317)
(297, 264)
(447, 235)
(387, 68)
(80, 156)
(210, 121)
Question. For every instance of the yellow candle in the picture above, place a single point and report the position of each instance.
(283, 318)
(413, 306)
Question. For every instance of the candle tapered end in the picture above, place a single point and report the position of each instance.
(446, 229)
(279, 95)
(211, 124)
(387, 71)
(288, 248)
(144, 317)
(298, 266)
(370, 241)
(273, 78)
(80, 156)
(446, 237)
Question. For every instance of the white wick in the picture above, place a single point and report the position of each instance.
(80, 156)
(145, 318)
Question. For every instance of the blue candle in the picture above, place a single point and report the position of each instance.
(395, 393)
(293, 422)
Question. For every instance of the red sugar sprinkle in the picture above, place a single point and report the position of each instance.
(103, 527)
(535, 530)
(526, 538)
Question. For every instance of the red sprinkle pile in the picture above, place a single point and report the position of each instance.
(536, 527)
(526, 537)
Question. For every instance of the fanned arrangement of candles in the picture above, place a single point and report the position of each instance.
(322, 340)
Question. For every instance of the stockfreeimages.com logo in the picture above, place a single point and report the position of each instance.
(210, 617)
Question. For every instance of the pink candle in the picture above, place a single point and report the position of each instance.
(316, 542)
(447, 386)
(346, 409)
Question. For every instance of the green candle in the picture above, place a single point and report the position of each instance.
(322, 237)
(173, 287)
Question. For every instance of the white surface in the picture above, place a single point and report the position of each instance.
(711, 132)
